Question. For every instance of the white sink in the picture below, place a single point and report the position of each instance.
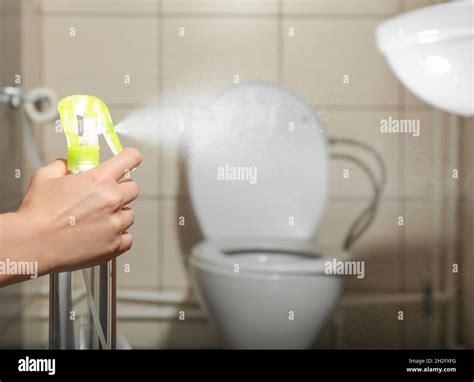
(431, 52)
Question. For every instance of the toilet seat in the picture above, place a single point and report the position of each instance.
(289, 257)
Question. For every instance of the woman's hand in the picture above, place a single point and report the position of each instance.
(67, 222)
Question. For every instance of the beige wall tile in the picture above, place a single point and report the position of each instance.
(362, 126)
(13, 338)
(35, 329)
(212, 51)
(335, 222)
(321, 53)
(468, 318)
(467, 159)
(143, 258)
(31, 48)
(2, 38)
(246, 47)
(422, 331)
(11, 54)
(178, 241)
(174, 181)
(31, 5)
(10, 158)
(35, 285)
(148, 175)
(53, 142)
(103, 51)
(11, 7)
(379, 247)
(220, 6)
(10, 135)
(410, 99)
(340, 6)
(199, 334)
(418, 158)
(413, 4)
(372, 326)
(327, 337)
(419, 234)
(100, 6)
(466, 268)
(11, 322)
(141, 334)
(171, 334)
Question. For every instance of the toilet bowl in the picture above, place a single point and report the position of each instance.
(258, 177)
(261, 299)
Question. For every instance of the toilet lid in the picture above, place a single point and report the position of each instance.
(258, 165)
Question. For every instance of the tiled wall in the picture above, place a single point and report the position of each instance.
(10, 162)
(310, 46)
(466, 246)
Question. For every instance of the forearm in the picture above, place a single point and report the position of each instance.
(23, 253)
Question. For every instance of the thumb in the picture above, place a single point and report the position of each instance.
(56, 169)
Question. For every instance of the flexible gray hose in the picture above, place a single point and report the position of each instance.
(365, 219)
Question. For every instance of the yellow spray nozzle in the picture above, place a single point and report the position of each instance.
(83, 118)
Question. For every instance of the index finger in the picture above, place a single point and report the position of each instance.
(119, 165)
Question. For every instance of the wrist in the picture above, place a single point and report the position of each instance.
(24, 240)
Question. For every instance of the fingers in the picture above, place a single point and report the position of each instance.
(128, 217)
(126, 243)
(129, 191)
(119, 165)
(55, 169)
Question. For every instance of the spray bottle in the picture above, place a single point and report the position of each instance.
(83, 119)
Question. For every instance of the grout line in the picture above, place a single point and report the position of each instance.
(364, 108)
(280, 42)
(99, 14)
(334, 107)
(160, 167)
(33, 6)
(42, 136)
(3, 44)
(220, 15)
(339, 199)
(343, 16)
(402, 209)
(460, 244)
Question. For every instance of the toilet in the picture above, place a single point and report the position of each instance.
(257, 172)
